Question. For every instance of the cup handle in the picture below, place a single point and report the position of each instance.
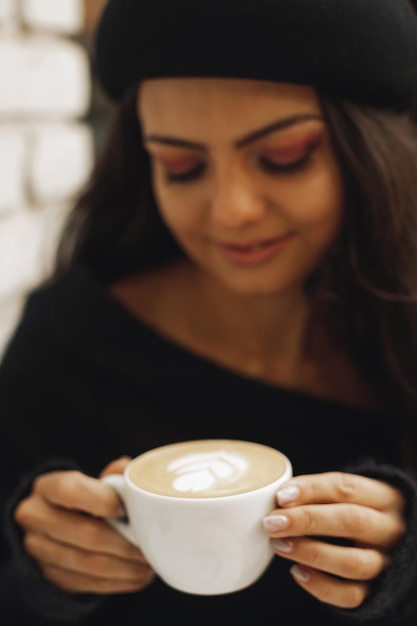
(122, 526)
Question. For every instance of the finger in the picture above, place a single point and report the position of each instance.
(76, 491)
(116, 467)
(349, 521)
(333, 487)
(344, 594)
(347, 562)
(72, 582)
(86, 562)
(76, 529)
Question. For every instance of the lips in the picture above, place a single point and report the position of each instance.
(259, 245)
(254, 252)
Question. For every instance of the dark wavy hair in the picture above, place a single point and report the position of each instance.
(365, 291)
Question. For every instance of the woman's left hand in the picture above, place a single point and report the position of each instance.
(368, 512)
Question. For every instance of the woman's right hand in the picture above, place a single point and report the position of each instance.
(66, 534)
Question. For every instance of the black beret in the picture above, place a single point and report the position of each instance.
(363, 50)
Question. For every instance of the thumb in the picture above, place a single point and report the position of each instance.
(115, 467)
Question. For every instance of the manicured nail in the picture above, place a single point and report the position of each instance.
(282, 545)
(273, 523)
(287, 494)
(300, 573)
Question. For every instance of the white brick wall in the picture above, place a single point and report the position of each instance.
(46, 145)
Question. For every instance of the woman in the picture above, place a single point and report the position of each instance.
(242, 265)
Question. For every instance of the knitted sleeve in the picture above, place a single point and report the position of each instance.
(393, 601)
(25, 595)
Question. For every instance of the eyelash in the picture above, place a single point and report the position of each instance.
(269, 166)
(186, 176)
(287, 168)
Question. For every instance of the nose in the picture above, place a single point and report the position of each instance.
(237, 201)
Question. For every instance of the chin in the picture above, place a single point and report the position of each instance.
(261, 288)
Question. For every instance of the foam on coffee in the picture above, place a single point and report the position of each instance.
(206, 468)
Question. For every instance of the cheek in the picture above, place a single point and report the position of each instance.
(180, 214)
(166, 203)
(316, 208)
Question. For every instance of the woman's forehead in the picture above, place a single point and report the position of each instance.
(186, 101)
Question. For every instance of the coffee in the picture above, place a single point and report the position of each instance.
(207, 468)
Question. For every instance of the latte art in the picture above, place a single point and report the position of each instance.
(203, 471)
(206, 468)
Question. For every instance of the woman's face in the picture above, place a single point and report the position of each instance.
(245, 177)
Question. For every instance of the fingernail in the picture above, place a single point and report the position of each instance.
(282, 545)
(287, 494)
(273, 523)
(300, 573)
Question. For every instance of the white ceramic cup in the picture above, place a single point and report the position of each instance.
(205, 537)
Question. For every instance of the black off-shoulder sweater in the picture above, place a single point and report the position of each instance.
(83, 382)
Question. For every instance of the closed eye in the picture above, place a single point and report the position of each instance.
(271, 167)
(292, 167)
(186, 176)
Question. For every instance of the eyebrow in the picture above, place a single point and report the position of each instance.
(279, 125)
